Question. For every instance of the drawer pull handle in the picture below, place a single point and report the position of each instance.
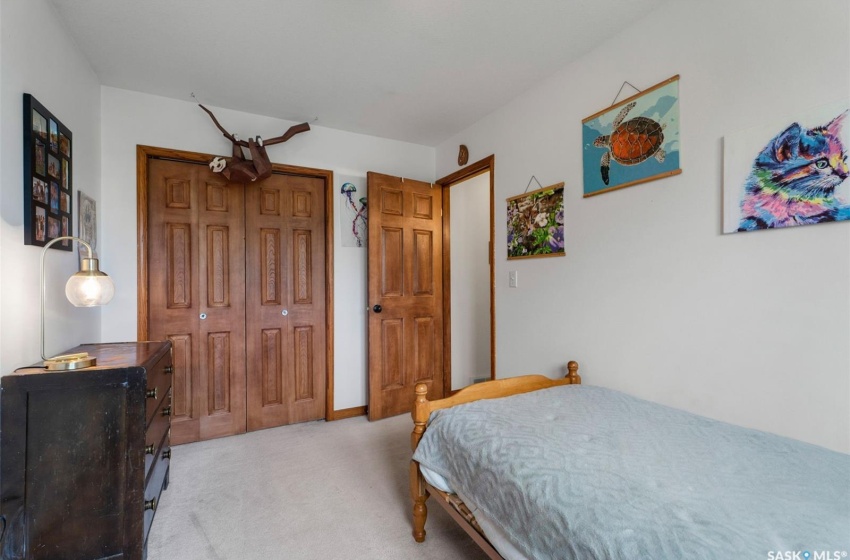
(166, 454)
(151, 394)
(168, 369)
(149, 449)
(150, 504)
(166, 411)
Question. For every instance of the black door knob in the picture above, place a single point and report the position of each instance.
(377, 309)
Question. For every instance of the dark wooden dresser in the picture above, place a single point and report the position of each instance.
(84, 455)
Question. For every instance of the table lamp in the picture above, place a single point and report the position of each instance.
(89, 287)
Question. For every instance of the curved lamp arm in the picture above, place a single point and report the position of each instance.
(88, 269)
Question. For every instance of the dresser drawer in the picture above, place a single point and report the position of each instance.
(154, 487)
(158, 384)
(155, 435)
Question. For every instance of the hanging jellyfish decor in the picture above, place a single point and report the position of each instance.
(357, 211)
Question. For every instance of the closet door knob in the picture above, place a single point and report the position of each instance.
(377, 309)
(150, 504)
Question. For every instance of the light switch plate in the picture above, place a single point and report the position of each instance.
(512, 279)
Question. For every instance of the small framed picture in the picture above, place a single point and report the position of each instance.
(53, 166)
(39, 125)
(64, 145)
(40, 223)
(54, 197)
(48, 176)
(39, 190)
(52, 228)
(40, 158)
(54, 136)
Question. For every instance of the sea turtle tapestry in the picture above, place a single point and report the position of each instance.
(352, 215)
(536, 223)
(634, 141)
(791, 172)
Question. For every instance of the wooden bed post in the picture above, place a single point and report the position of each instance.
(418, 492)
(572, 373)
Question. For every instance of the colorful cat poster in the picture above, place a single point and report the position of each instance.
(634, 141)
(352, 215)
(792, 172)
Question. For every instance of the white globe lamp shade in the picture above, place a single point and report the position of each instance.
(89, 288)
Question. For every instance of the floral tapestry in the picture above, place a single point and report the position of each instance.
(536, 223)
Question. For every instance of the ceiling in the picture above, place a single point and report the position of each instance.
(413, 70)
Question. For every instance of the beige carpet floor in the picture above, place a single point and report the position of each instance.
(313, 491)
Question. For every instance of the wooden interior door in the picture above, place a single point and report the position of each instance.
(196, 253)
(286, 315)
(405, 292)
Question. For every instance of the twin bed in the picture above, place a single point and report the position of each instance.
(537, 468)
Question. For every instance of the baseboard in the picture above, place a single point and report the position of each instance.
(347, 413)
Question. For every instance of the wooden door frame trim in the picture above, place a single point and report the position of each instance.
(488, 164)
(143, 155)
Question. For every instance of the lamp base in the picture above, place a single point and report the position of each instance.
(70, 361)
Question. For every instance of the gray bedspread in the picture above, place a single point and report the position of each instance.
(585, 472)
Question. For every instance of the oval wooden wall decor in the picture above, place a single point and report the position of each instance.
(462, 155)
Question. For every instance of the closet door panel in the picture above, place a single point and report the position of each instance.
(285, 308)
(196, 286)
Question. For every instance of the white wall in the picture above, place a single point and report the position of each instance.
(131, 118)
(652, 299)
(470, 278)
(37, 56)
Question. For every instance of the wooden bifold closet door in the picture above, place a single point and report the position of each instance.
(236, 281)
(285, 241)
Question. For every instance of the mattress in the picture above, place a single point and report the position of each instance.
(584, 472)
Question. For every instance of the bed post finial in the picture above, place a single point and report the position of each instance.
(421, 391)
(420, 414)
(572, 373)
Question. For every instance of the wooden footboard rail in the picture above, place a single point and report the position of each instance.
(422, 409)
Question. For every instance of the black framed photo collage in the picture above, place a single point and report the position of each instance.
(48, 184)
